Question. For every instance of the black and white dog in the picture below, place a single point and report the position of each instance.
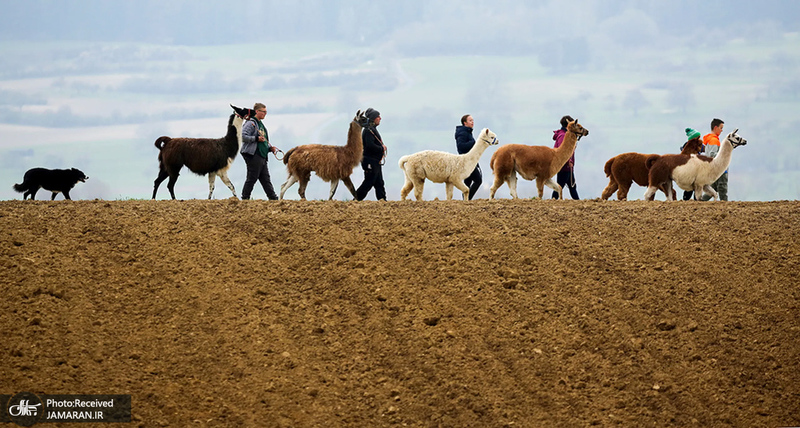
(54, 180)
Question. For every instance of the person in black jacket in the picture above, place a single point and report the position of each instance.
(374, 152)
(464, 143)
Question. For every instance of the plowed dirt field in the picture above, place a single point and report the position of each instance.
(521, 313)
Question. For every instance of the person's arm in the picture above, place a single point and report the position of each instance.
(249, 132)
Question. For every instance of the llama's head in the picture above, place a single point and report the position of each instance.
(488, 137)
(693, 146)
(361, 118)
(735, 139)
(244, 113)
(577, 129)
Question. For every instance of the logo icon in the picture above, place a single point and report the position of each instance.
(25, 409)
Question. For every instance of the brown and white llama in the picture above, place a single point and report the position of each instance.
(442, 167)
(691, 172)
(627, 168)
(534, 162)
(331, 163)
(212, 156)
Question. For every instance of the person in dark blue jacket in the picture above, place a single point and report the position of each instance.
(464, 143)
(374, 152)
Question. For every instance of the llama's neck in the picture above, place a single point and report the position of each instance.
(720, 162)
(237, 123)
(355, 144)
(474, 154)
(563, 152)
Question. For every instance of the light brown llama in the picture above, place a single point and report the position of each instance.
(534, 162)
(331, 163)
(627, 168)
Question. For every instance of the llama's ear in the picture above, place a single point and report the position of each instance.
(735, 131)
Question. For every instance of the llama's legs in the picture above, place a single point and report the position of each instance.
(407, 186)
(449, 190)
(212, 178)
(334, 186)
(224, 177)
(162, 175)
(289, 183)
(609, 190)
(650, 194)
(463, 188)
(622, 193)
(498, 182)
(709, 191)
(171, 185)
(418, 186)
(512, 185)
(553, 185)
(349, 184)
(302, 189)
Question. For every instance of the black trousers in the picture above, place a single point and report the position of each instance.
(373, 178)
(257, 170)
(566, 179)
(474, 181)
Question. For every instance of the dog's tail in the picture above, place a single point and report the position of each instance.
(161, 141)
(19, 187)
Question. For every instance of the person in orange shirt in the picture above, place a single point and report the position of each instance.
(712, 144)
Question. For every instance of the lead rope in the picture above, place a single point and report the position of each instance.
(385, 149)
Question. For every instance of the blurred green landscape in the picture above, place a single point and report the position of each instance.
(99, 106)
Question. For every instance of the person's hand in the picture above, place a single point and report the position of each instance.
(261, 138)
(273, 149)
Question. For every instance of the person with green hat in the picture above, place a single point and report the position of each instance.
(691, 134)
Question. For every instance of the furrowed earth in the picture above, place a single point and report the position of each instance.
(485, 313)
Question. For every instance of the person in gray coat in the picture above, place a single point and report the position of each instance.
(255, 149)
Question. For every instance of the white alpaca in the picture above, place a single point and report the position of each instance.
(441, 167)
(691, 172)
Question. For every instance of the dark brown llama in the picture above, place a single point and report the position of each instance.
(331, 163)
(627, 168)
(212, 156)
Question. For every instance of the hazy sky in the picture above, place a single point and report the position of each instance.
(122, 73)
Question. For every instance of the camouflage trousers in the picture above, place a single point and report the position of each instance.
(721, 186)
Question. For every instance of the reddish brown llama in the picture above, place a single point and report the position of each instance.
(628, 168)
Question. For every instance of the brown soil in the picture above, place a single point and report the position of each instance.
(453, 314)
